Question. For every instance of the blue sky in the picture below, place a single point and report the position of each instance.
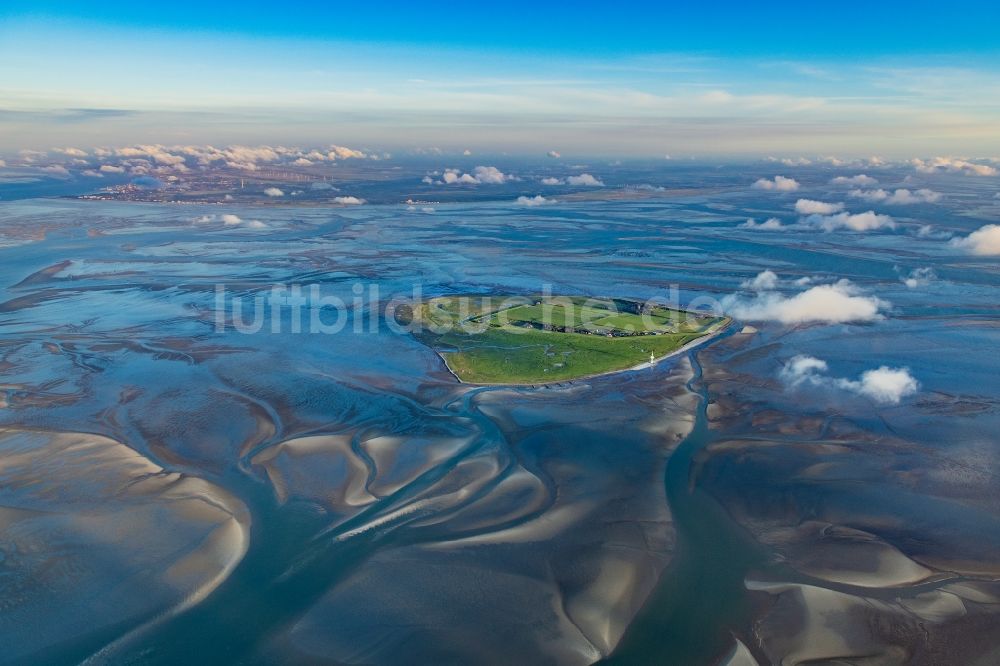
(900, 79)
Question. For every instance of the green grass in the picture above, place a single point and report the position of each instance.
(557, 315)
(489, 350)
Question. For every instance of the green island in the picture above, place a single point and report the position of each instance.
(537, 340)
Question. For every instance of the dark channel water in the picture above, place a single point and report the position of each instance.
(690, 616)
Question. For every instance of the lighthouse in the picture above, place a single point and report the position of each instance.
(650, 358)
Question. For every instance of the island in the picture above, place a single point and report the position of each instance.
(525, 340)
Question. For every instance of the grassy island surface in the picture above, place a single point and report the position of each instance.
(535, 340)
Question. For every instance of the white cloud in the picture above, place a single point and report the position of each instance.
(855, 221)
(244, 158)
(274, 192)
(860, 180)
(348, 201)
(928, 231)
(467, 152)
(72, 152)
(764, 281)
(230, 220)
(250, 154)
(584, 179)
(919, 277)
(812, 207)
(985, 241)
(768, 280)
(835, 303)
(3, 163)
(770, 224)
(778, 183)
(56, 169)
(342, 152)
(481, 175)
(796, 161)
(900, 197)
(302, 162)
(801, 369)
(537, 200)
(90, 173)
(490, 175)
(952, 165)
(552, 181)
(553, 153)
(108, 168)
(156, 152)
(884, 384)
(454, 176)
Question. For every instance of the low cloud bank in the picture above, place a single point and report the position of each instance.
(860, 180)
(984, 242)
(778, 183)
(900, 197)
(952, 165)
(813, 207)
(481, 175)
(584, 179)
(884, 384)
(836, 303)
(537, 200)
(230, 220)
(831, 216)
(770, 224)
(866, 221)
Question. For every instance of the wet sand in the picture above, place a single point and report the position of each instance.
(112, 512)
(342, 499)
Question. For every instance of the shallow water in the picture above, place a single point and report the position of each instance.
(393, 514)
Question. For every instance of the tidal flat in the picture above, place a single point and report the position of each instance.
(173, 490)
